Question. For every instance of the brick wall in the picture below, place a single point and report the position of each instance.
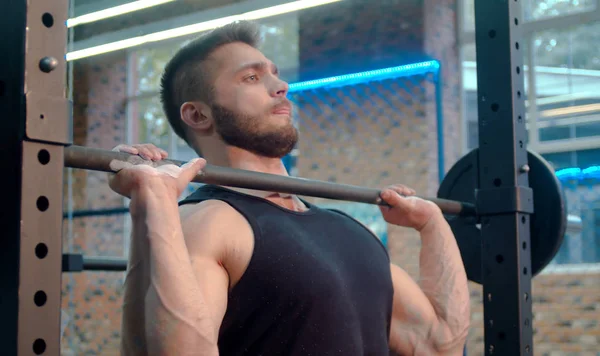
(372, 135)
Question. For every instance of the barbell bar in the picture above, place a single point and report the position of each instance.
(96, 159)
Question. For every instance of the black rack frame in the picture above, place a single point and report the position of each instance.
(503, 179)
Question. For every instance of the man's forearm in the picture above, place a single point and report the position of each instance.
(137, 281)
(444, 281)
(177, 319)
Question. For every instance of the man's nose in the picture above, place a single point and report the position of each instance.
(280, 88)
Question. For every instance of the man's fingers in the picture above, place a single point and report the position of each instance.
(394, 195)
(391, 197)
(403, 190)
(127, 149)
(192, 168)
(396, 200)
(147, 151)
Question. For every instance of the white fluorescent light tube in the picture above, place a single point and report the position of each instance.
(114, 11)
(195, 28)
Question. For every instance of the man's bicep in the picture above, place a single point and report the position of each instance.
(206, 232)
(213, 230)
(212, 282)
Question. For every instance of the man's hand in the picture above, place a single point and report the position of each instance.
(170, 178)
(406, 210)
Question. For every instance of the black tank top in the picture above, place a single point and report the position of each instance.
(318, 283)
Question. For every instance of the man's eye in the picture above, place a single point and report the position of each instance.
(252, 78)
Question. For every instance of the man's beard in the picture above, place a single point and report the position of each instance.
(243, 131)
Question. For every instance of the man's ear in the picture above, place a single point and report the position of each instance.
(197, 115)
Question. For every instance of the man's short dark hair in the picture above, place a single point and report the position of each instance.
(185, 77)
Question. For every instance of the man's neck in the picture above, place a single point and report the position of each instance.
(240, 159)
(237, 158)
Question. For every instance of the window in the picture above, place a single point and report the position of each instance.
(151, 125)
(582, 240)
(468, 23)
(543, 9)
(149, 63)
(472, 119)
(560, 160)
(588, 158)
(533, 10)
(582, 159)
(567, 73)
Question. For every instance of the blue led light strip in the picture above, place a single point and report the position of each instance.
(363, 77)
(565, 174)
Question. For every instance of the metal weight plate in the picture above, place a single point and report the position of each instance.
(548, 222)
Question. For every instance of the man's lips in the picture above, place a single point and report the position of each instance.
(283, 110)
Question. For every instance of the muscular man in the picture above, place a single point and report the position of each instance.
(237, 272)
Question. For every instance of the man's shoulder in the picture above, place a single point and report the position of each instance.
(207, 213)
(212, 219)
(214, 228)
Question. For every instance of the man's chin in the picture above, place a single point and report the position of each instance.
(277, 141)
(281, 119)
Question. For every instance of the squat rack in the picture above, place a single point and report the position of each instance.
(503, 179)
(35, 130)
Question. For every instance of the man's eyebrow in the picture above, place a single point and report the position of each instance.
(259, 66)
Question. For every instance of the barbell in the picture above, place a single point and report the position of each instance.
(102, 160)
(456, 197)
